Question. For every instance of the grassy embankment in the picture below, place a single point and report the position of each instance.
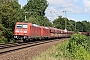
(77, 48)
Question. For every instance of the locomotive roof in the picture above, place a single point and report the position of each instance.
(23, 23)
(35, 25)
(46, 27)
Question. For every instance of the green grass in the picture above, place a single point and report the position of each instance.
(57, 52)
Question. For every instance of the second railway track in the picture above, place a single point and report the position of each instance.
(12, 47)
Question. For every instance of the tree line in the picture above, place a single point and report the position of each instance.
(11, 12)
(80, 26)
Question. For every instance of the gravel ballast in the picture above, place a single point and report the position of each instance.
(29, 53)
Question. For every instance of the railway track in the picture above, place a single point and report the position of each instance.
(16, 46)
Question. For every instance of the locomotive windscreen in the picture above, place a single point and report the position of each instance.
(21, 26)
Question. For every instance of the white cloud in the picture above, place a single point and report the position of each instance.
(59, 6)
(51, 13)
(75, 0)
(86, 5)
(76, 20)
(67, 5)
(71, 6)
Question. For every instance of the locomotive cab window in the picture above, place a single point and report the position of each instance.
(25, 26)
(21, 26)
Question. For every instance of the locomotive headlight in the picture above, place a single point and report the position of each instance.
(25, 31)
(15, 36)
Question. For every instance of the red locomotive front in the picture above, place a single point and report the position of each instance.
(26, 31)
(22, 30)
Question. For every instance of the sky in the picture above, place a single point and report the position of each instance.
(77, 10)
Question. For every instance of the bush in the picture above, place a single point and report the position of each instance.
(80, 53)
(12, 40)
(78, 46)
(78, 39)
(89, 44)
(3, 40)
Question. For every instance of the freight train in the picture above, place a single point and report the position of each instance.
(27, 31)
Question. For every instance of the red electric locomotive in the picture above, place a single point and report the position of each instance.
(27, 31)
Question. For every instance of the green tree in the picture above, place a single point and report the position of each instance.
(36, 7)
(79, 26)
(71, 25)
(44, 21)
(9, 15)
(85, 25)
(35, 12)
(88, 25)
(40, 20)
(2, 32)
(59, 23)
(7, 1)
